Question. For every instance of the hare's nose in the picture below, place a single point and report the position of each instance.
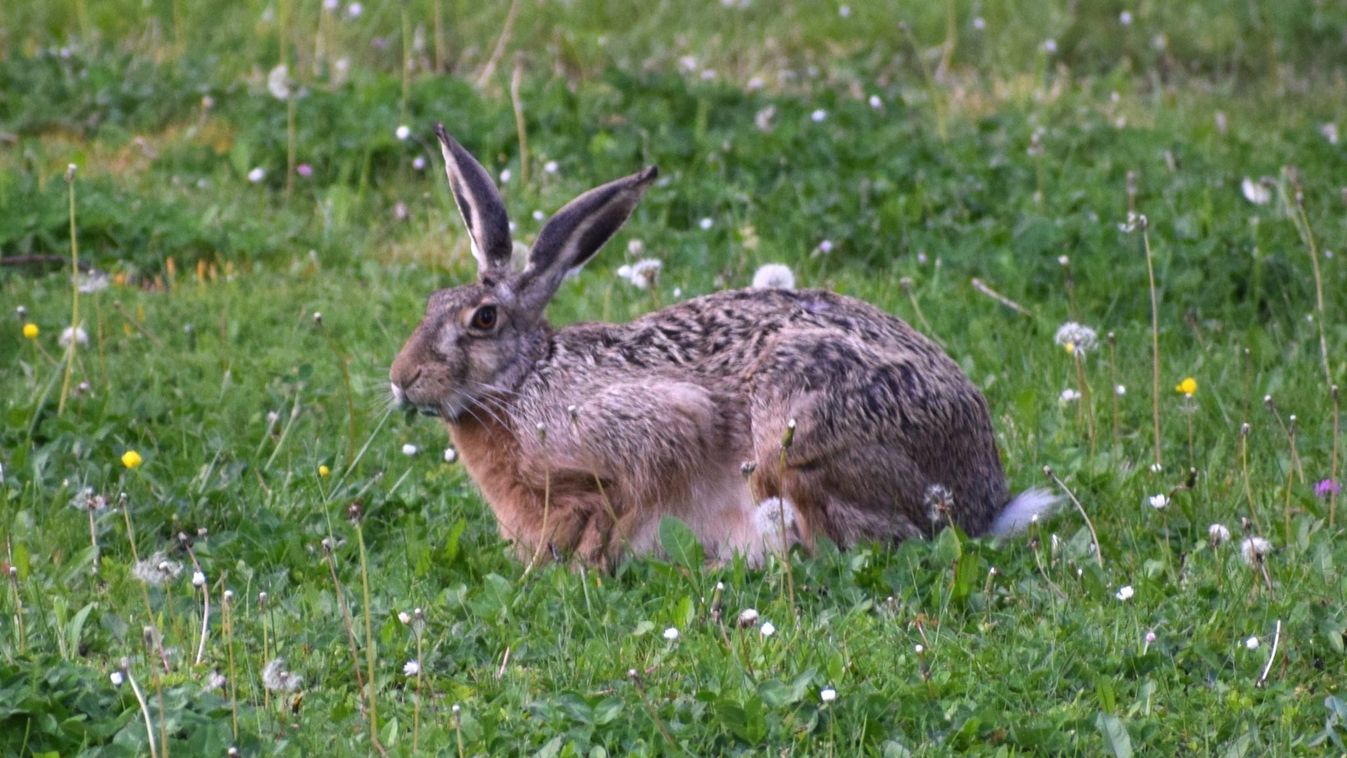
(401, 382)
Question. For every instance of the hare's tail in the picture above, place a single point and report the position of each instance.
(1022, 510)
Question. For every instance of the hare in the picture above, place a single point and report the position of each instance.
(761, 418)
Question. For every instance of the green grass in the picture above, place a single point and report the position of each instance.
(209, 327)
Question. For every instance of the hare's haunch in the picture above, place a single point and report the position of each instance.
(761, 418)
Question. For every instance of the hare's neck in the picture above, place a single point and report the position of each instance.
(490, 452)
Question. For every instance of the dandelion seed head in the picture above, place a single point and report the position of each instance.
(450, 455)
(1068, 395)
(774, 276)
(1218, 534)
(198, 579)
(671, 634)
(642, 274)
(278, 82)
(1125, 592)
(1252, 549)
(1158, 502)
(747, 617)
(117, 678)
(768, 629)
(1076, 338)
(156, 570)
(409, 449)
(827, 694)
(1252, 643)
(411, 668)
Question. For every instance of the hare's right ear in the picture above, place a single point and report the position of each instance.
(480, 205)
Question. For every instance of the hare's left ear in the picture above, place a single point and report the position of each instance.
(480, 205)
(576, 232)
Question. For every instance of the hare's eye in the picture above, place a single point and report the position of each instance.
(484, 318)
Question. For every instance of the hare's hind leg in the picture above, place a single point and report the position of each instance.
(848, 466)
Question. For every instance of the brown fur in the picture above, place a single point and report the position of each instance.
(583, 438)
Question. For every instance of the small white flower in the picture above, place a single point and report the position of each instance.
(671, 634)
(844, 11)
(117, 678)
(198, 579)
(538, 216)
(1126, 592)
(774, 276)
(1125, 18)
(635, 248)
(409, 449)
(550, 167)
(94, 281)
(825, 247)
(706, 223)
(827, 694)
(1150, 636)
(1330, 132)
(450, 455)
(1218, 534)
(331, 5)
(419, 163)
(768, 629)
(214, 681)
(278, 82)
(1050, 46)
(257, 175)
(276, 678)
(876, 103)
(1255, 191)
(1252, 643)
(1068, 396)
(747, 617)
(919, 648)
(979, 23)
(1120, 390)
(354, 10)
(411, 668)
(1076, 338)
(1157, 468)
(402, 132)
(404, 617)
(818, 116)
(1252, 549)
(1158, 502)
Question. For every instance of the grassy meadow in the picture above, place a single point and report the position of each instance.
(217, 536)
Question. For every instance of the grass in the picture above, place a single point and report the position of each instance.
(988, 157)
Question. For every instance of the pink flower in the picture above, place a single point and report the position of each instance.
(1326, 488)
(304, 170)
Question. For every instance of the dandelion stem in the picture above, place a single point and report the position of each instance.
(1113, 388)
(370, 652)
(346, 618)
(416, 707)
(144, 710)
(1272, 655)
(1244, 469)
(986, 289)
(1155, 340)
(501, 42)
(1085, 401)
(650, 709)
(1307, 234)
(437, 18)
(227, 608)
(93, 540)
(787, 564)
(18, 598)
(516, 79)
(1094, 536)
(1333, 464)
(72, 343)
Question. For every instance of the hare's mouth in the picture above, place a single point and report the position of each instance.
(404, 403)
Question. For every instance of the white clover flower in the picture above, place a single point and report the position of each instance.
(550, 167)
(505, 175)
(918, 648)
(768, 629)
(818, 116)
(671, 634)
(117, 678)
(1158, 502)
(257, 175)
(774, 276)
(1125, 18)
(1076, 338)
(419, 163)
(450, 455)
(1120, 390)
(706, 223)
(1252, 643)
(824, 247)
(642, 274)
(979, 23)
(404, 617)
(156, 570)
(538, 215)
(875, 102)
(1252, 549)
(1050, 46)
(354, 10)
(409, 449)
(411, 668)
(1255, 191)
(74, 334)
(1068, 396)
(278, 82)
(844, 11)
(1125, 592)
(1218, 534)
(827, 694)
(402, 132)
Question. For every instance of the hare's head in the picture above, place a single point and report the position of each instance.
(480, 339)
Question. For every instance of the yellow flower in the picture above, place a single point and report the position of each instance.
(30, 331)
(1188, 386)
(1070, 348)
(323, 471)
(131, 459)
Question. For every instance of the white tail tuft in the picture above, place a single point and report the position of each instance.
(1020, 512)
